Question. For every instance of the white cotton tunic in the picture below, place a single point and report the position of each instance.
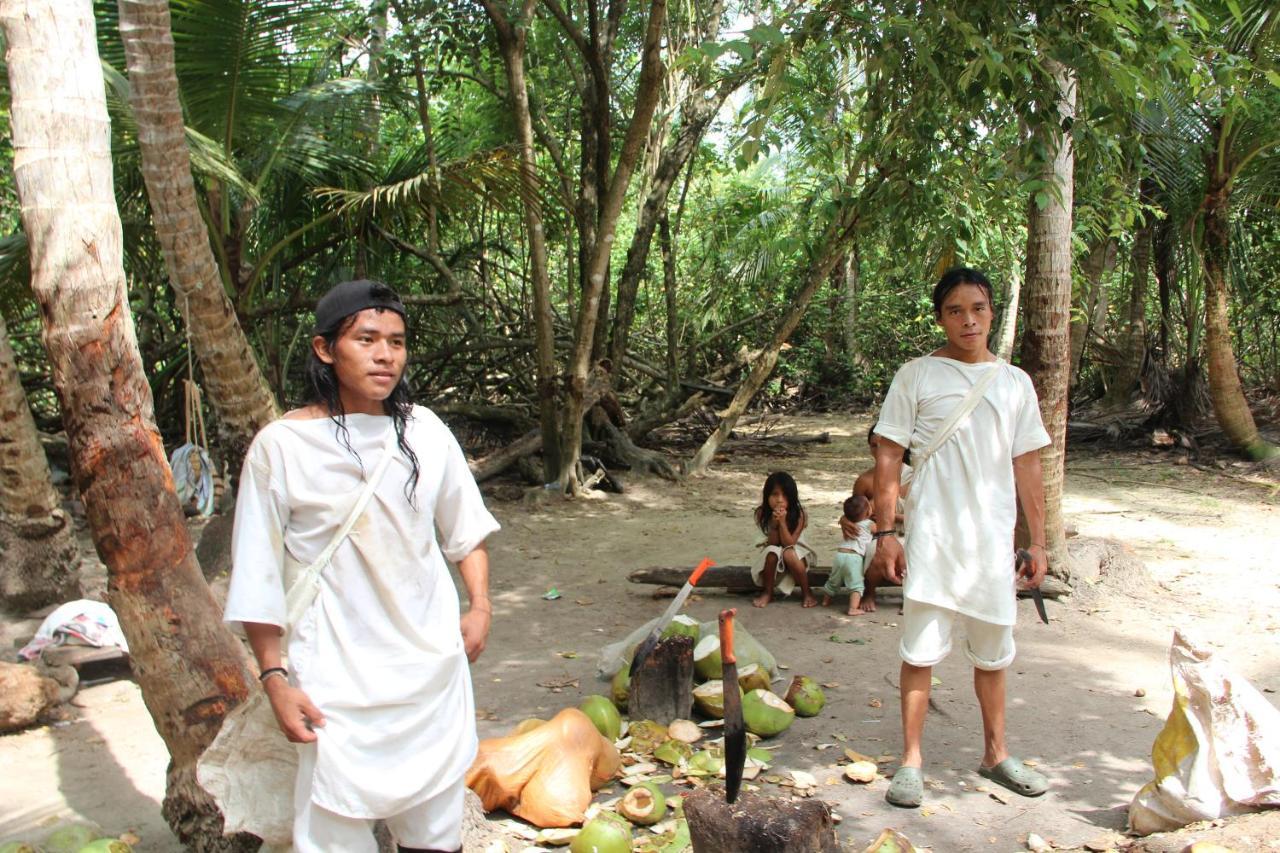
(380, 651)
(962, 507)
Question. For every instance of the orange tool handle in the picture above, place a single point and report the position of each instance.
(726, 635)
(706, 563)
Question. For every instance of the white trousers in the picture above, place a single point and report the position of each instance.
(435, 824)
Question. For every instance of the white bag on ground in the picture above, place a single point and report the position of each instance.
(1219, 751)
(615, 656)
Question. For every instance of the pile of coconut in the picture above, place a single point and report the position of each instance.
(71, 838)
(685, 751)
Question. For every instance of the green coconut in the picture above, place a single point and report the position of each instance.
(70, 838)
(752, 677)
(805, 696)
(673, 752)
(682, 626)
(620, 688)
(604, 715)
(18, 847)
(709, 698)
(106, 845)
(706, 763)
(644, 805)
(706, 658)
(646, 736)
(680, 841)
(765, 714)
(607, 833)
(760, 755)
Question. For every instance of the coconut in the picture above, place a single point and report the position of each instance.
(682, 626)
(760, 755)
(644, 805)
(706, 658)
(753, 676)
(706, 763)
(861, 771)
(604, 715)
(709, 697)
(620, 688)
(806, 696)
(70, 838)
(680, 841)
(606, 833)
(646, 736)
(527, 725)
(106, 845)
(766, 714)
(673, 752)
(685, 730)
(18, 847)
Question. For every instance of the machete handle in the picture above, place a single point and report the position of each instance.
(706, 563)
(726, 635)
(1020, 558)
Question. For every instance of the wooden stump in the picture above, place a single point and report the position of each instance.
(759, 824)
(662, 688)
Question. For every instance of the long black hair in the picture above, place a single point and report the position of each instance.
(322, 384)
(953, 278)
(780, 480)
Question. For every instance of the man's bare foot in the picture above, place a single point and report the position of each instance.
(809, 601)
(762, 600)
(868, 604)
(854, 600)
(826, 600)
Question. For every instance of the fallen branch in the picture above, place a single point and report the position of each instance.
(738, 579)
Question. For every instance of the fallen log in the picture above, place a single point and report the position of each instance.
(738, 579)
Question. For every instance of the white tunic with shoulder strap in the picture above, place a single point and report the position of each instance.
(379, 652)
(962, 507)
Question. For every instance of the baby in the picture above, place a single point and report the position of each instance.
(846, 568)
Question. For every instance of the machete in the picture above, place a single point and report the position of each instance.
(646, 648)
(735, 736)
(1023, 557)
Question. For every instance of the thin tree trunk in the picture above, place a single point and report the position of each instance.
(512, 42)
(1092, 320)
(1046, 346)
(1133, 345)
(39, 559)
(668, 249)
(190, 668)
(851, 279)
(1166, 270)
(1229, 403)
(647, 91)
(234, 383)
(1009, 323)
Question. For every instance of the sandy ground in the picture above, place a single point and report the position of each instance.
(1207, 539)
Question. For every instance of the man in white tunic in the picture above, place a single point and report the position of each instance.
(958, 563)
(377, 691)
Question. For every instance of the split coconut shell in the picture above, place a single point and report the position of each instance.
(766, 714)
(644, 805)
(708, 697)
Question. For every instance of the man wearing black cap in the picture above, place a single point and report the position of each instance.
(377, 691)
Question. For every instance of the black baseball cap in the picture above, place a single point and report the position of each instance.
(351, 297)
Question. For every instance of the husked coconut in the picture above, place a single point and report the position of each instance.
(709, 698)
(753, 677)
(685, 730)
(706, 658)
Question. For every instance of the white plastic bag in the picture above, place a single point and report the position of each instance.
(615, 656)
(1219, 751)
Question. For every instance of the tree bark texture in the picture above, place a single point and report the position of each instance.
(512, 42)
(662, 688)
(1229, 403)
(1046, 345)
(234, 383)
(190, 668)
(39, 559)
(758, 823)
(1133, 344)
(647, 91)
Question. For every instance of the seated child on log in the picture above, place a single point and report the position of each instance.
(782, 520)
(846, 568)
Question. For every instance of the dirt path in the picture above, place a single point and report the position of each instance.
(1206, 539)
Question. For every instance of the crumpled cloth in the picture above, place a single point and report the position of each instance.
(1219, 751)
(82, 622)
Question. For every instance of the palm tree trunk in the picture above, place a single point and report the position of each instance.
(39, 559)
(233, 380)
(1229, 403)
(190, 668)
(1046, 345)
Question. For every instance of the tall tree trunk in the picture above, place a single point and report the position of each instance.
(234, 383)
(1166, 269)
(1133, 344)
(512, 41)
(1093, 316)
(850, 275)
(1009, 322)
(190, 668)
(667, 247)
(39, 559)
(646, 101)
(1046, 346)
(1229, 403)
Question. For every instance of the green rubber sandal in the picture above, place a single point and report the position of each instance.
(1017, 777)
(907, 789)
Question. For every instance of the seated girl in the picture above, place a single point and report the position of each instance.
(782, 520)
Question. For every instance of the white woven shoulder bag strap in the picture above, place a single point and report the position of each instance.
(307, 585)
(960, 413)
